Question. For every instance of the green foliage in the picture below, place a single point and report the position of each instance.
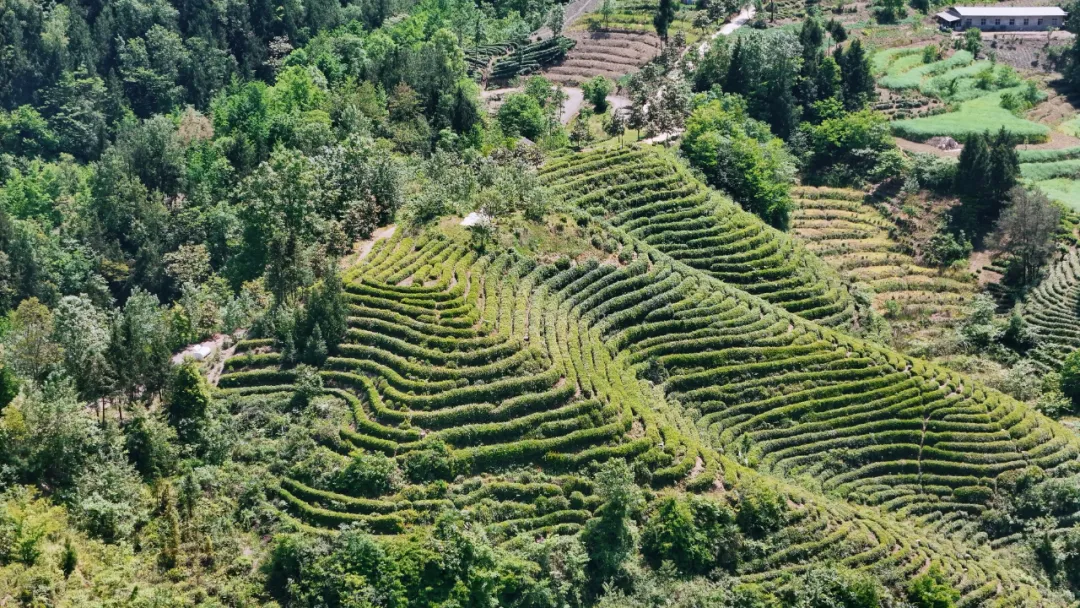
(852, 148)
(521, 115)
(109, 501)
(945, 248)
(824, 587)
(309, 385)
(188, 399)
(431, 463)
(69, 559)
(150, 445)
(987, 170)
(761, 510)
(370, 475)
(596, 91)
(973, 40)
(1070, 376)
(695, 534)
(738, 154)
(932, 590)
(611, 537)
(665, 14)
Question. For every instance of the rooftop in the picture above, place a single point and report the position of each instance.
(1008, 11)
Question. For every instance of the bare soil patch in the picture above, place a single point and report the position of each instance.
(924, 148)
(610, 53)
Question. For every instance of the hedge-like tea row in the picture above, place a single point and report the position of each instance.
(1053, 311)
(857, 240)
(637, 193)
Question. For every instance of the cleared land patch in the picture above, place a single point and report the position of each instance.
(857, 240)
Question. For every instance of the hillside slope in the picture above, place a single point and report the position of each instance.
(497, 382)
(655, 199)
(523, 422)
(858, 241)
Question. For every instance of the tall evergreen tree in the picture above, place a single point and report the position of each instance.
(738, 78)
(972, 168)
(1004, 171)
(988, 169)
(811, 37)
(858, 80)
(665, 14)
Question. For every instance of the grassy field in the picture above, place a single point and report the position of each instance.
(909, 71)
(974, 116)
(1065, 190)
(973, 90)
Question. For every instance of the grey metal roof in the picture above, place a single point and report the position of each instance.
(947, 16)
(1008, 11)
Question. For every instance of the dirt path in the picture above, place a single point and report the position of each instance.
(744, 17)
(1058, 141)
(574, 11)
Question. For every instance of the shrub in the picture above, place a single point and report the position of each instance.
(432, 463)
(369, 475)
(932, 590)
(694, 533)
(761, 509)
(308, 386)
(1070, 376)
(596, 91)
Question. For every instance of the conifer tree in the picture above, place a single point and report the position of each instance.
(858, 80)
(665, 14)
(738, 80)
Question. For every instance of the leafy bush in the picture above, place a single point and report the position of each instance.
(431, 463)
(932, 590)
(695, 534)
(370, 475)
(521, 115)
(761, 509)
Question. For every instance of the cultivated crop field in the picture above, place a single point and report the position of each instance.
(1053, 310)
(1054, 172)
(497, 383)
(651, 197)
(972, 89)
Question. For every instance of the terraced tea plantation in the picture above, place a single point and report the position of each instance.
(611, 53)
(506, 379)
(497, 382)
(652, 198)
(973, 88)
(1053, 310)
(857, 240)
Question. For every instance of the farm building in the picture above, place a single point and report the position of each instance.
(1002, 18)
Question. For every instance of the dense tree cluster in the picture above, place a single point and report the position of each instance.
(784, 84)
